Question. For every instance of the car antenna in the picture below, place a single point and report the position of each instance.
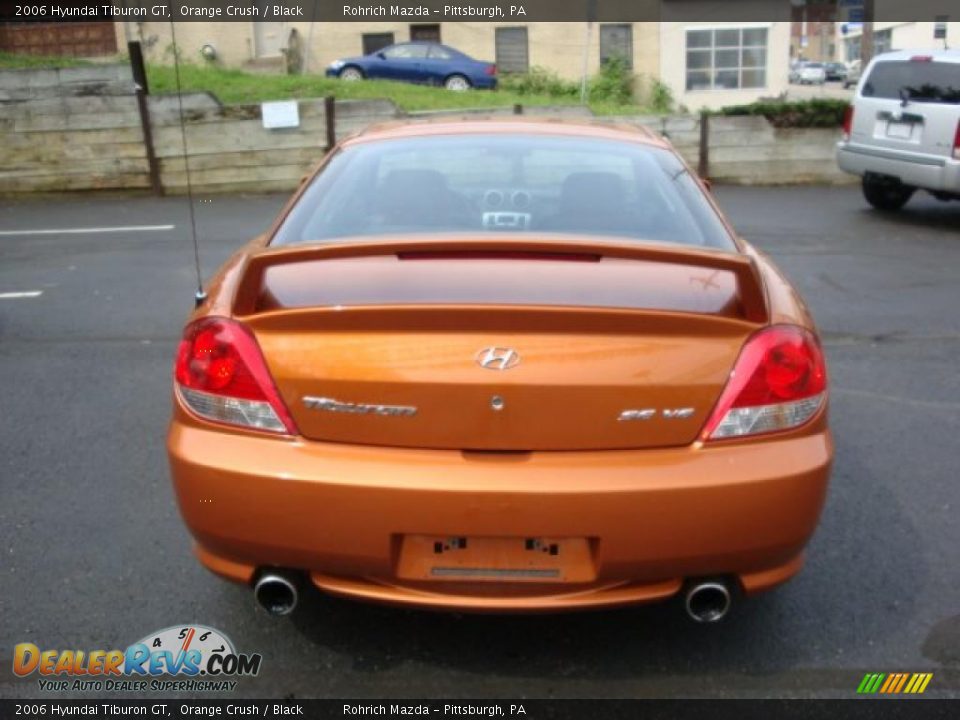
(200, 295)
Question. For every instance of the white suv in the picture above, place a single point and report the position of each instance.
(902, 132)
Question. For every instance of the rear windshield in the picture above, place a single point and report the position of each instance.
(481, 184)
(918, 81)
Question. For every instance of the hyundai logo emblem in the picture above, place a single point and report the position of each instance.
(498, 358)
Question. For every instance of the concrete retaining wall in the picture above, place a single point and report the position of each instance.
(79, 129)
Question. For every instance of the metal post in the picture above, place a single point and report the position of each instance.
(703, 167)
(140, 89)
(329, 112)
(135, 51)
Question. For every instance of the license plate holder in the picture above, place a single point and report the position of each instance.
(496, 559)
(899, 130)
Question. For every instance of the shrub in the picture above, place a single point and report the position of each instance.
(818, 112)
(661, 98)
(613, 83)
(539, 81)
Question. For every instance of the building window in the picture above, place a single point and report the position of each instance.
(726, 58)
(616, 41)
(513, 49)
(425, 33)
(372, 42)
(883, 41)
(851, 49)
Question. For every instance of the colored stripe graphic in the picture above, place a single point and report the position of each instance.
(870, 683)
(894, 683)
(892, 678)
(903, 679)
(918, 683)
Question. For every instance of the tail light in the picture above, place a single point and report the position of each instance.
(221, 376)
(847, 122)
(778, 383)
(491, 70)
(956, 143)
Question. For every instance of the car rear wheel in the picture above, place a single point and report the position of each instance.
(457, 83)
(351, 74)
(886, 194)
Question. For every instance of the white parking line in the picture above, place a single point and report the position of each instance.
(16, 295)
(83, 231)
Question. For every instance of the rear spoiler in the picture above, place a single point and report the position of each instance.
(743, 267)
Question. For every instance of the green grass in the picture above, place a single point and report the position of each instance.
(9, 61)
(237, 86)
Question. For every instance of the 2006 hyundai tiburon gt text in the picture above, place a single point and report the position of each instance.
(501, 365)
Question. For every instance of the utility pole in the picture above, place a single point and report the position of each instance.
(866, 39)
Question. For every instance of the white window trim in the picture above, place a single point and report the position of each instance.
(734, 26)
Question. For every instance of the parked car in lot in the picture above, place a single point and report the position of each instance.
(835, 71)
(902, 131)
(811, 73)
(418, 62)
(502, 365)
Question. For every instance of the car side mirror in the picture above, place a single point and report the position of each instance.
(381, 56)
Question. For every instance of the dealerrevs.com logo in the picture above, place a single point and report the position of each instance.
(202, 657)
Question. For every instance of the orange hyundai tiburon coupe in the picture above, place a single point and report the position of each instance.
(501, 365)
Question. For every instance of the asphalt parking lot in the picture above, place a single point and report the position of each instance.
(93, 554)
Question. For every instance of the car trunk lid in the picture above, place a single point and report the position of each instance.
(500, 348)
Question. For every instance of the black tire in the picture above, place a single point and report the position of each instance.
(887, 195)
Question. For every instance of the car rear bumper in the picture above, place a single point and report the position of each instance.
(929, 172)
(654, 518)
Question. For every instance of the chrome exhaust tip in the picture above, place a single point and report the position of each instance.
(276, 593)
(708, 602)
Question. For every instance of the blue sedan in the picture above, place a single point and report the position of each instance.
(418, 62)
